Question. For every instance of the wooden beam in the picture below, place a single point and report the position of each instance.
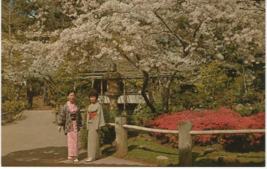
(110, 124)
(151, 130)
(244, 131)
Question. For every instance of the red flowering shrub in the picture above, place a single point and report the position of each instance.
(223, 119)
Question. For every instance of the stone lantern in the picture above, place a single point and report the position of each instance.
(113, 88)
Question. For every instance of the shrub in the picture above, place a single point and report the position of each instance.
(142, 113)
(250, 109)
(223, 119)
(107, 133)
(14, 107)
(84, 137)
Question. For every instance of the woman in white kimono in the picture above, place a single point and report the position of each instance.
(95, 120)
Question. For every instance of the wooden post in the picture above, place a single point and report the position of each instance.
(185, 144)
(121, 137)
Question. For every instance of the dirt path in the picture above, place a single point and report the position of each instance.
(33, 140)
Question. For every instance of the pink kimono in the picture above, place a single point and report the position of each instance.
(73, 147)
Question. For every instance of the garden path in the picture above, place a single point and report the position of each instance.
(33, 140)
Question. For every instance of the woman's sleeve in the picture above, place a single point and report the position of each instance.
(87, 117)
(62, 117)
(101, 117)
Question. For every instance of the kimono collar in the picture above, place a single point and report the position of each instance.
(73, 108)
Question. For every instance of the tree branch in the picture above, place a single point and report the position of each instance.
(182, 42)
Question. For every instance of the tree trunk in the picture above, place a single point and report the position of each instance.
(146, 78)
(150, 94)
(52, 88)
(166, 93)
(244, 79)
(165, 99)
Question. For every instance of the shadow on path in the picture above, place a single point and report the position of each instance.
(35, 157)
(49, 156)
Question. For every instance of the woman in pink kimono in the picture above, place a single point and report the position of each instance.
(71, 121)
(95, 120)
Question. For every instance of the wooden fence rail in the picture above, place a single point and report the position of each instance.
(184, 133)
(243, 131)
(205, 132)
(151, 130)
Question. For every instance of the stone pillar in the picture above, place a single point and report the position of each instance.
(113, 85)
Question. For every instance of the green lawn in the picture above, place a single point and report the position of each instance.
(145, 151)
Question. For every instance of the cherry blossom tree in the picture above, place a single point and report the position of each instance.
(166, 35)
(160, 35)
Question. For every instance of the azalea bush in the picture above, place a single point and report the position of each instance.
(223, 119)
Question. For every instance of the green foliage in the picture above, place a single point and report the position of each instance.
(81, 98)
(84, 137)
(67, 81)
(249, 109)
(217, 86)
(212, 80)
(107, 133)
(145, 151)
(18, 15)
(142, 113)
(182, 100)
(14, 107)
(8, 91)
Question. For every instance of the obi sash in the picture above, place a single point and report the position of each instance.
(73, 117)
(92, 115)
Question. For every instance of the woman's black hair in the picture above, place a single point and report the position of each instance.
(93, 92)
(71, 91)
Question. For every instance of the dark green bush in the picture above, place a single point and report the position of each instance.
(142, 113)
(14, 107)
(107, 133)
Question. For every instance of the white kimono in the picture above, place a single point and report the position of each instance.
(93, 129)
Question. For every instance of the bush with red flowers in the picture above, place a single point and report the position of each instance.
(223, 119)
